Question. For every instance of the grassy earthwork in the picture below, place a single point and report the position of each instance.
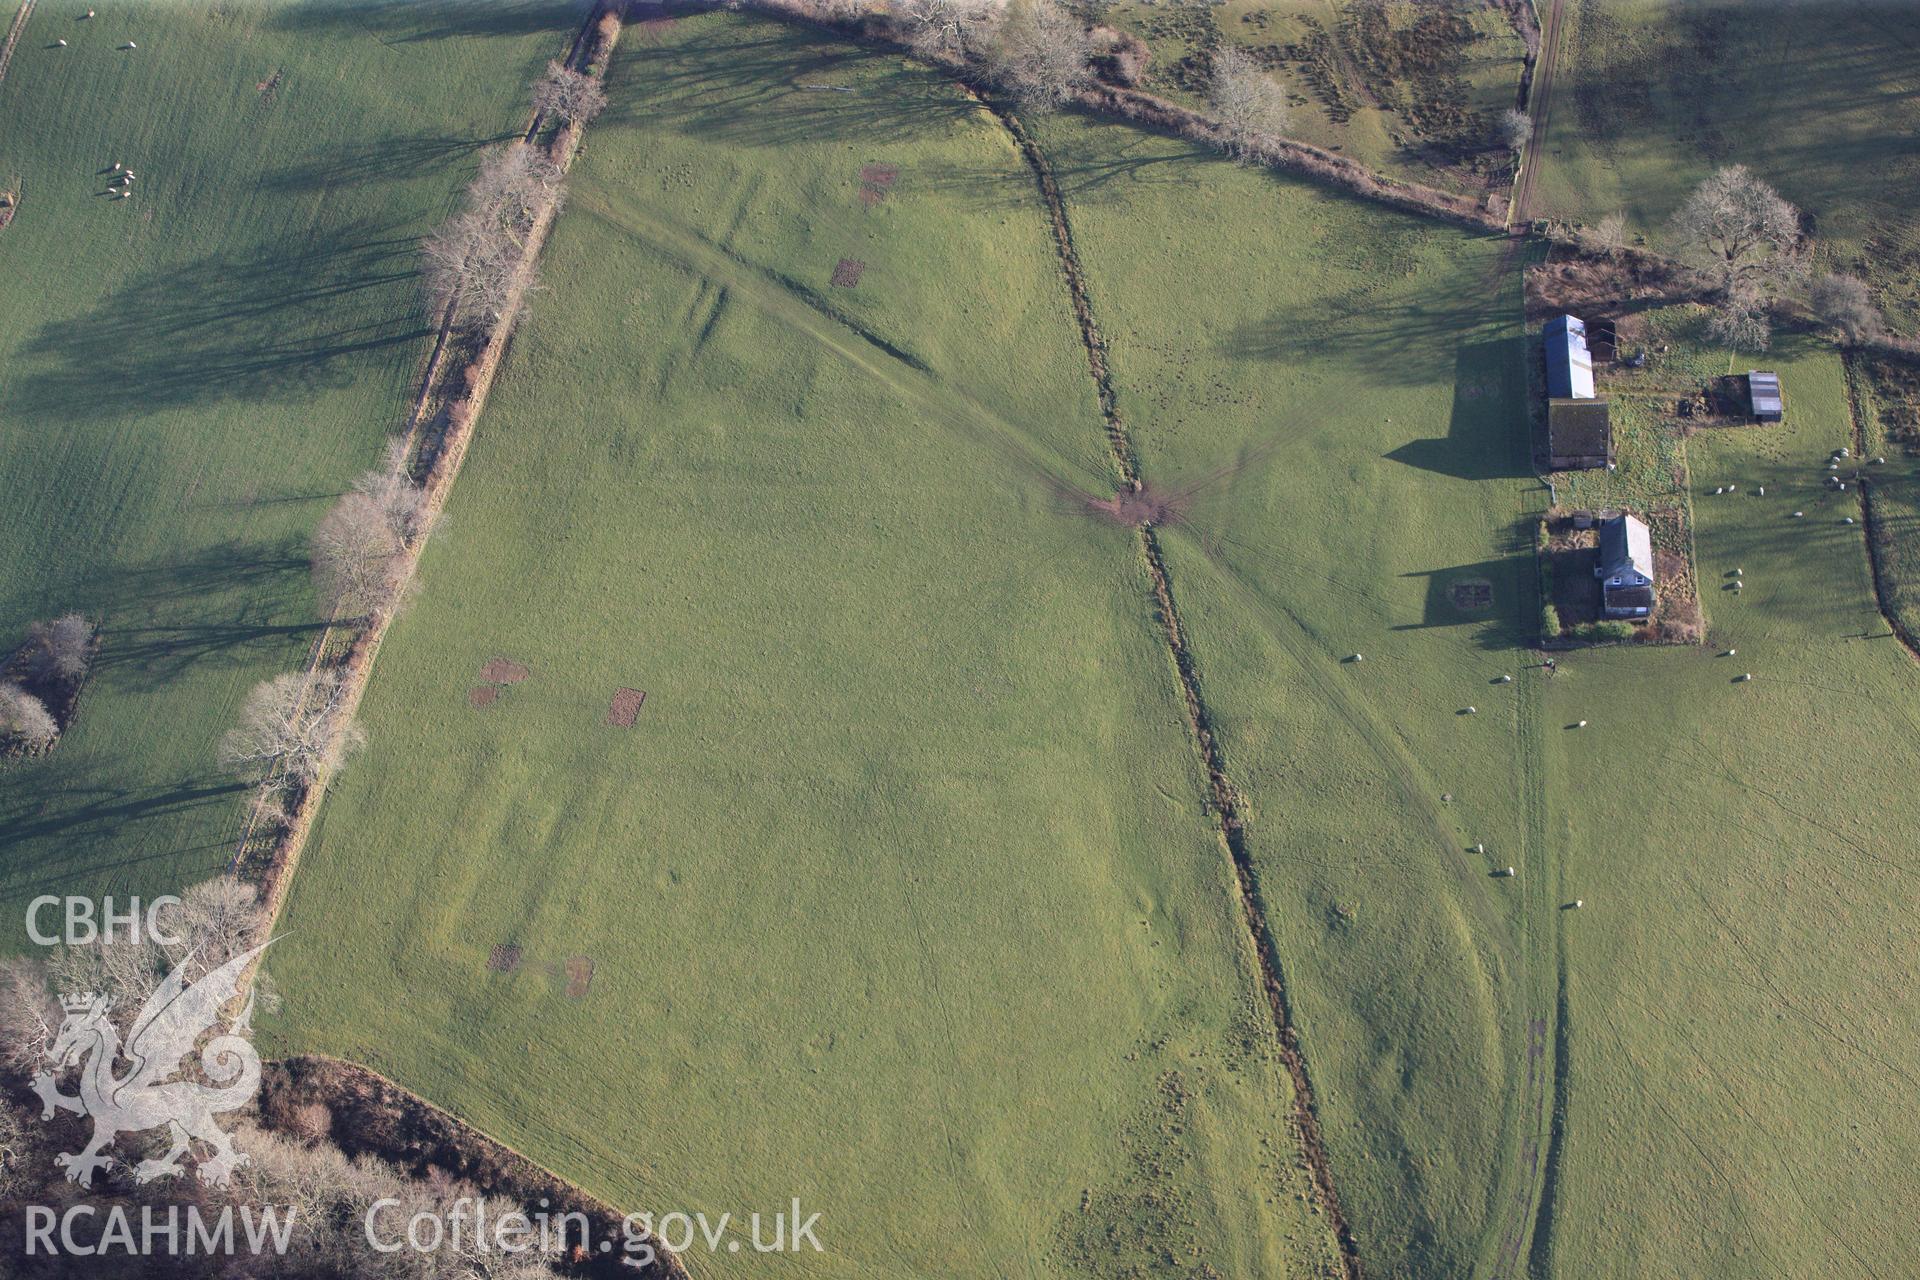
(898, 895)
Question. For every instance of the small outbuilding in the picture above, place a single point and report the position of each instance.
(1625, 567)
(1763, 393)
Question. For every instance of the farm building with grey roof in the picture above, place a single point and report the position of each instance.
(1625, 568)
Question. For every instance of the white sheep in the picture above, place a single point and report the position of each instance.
(1510, 872)
(1506, 679)
(1479, 848)
(1763, 491)
(1799, 514)
(1849, 519)
(1748, 676)
(1579, 904)
(1473, 711)
(1581, 725)
(61, 43)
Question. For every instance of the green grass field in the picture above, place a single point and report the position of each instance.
(1360, 376)
(1741, 1072)
(898, 895)
(187, 376)
(1818, 99)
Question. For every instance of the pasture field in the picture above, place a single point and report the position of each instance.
(189, 375)
(1741, 1048)
(1342, 391)
(1414, 90)
(1818, 99)
(897, 895)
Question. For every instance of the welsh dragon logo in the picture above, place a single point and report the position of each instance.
(145, 1094)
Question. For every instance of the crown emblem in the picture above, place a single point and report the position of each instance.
(77, 1003)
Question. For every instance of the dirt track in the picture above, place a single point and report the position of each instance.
(1540, 106)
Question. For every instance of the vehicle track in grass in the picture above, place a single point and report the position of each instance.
(13, 37)
(1224, 799)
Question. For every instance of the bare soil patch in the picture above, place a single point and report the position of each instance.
(876, 180)
(1140, 505)
(504, 671)
(579, 976)
(625, 707)
(483, 695)
(504, 958)
(269, 89)
(846, 272)
(1473, 593)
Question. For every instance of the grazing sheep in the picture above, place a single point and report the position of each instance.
(1581, 725)
(1579, 904)
(1798, 514)
(1739, 573)
(1473, 711)
(1510, 872)
(1479, 848)
(1748, 676)
(1358, 657)
(61, 43)
(1732, 488)
(1763, 491)
(1849, 520)
(1719, 490)
(1845, 452)
(1732, 652)
(1506, 679)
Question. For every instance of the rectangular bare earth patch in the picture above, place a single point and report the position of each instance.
(579, 977)
(846, 273)
(504, 958)
(625, 707)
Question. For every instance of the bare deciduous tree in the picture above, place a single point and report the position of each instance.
(358, 559)
(568, 94)
(29, 1015)
(1247, 101)
(1607, 236)
(60, 649)
(213, 922)
(1846, 304)
(514, 184)
(1741, 321)
(947, 28)
(24, 719)
(1516, 128)
(1743, 230)
(292, 730)
(476, 261)
(1040, 53)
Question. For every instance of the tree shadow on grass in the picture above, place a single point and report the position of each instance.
(390, 159)
(82, 809)
(747, 92)
(277, 324)
(415, 21)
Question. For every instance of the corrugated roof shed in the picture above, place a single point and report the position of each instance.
(1625, 543)
(1763, 389)
(1569, 363)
